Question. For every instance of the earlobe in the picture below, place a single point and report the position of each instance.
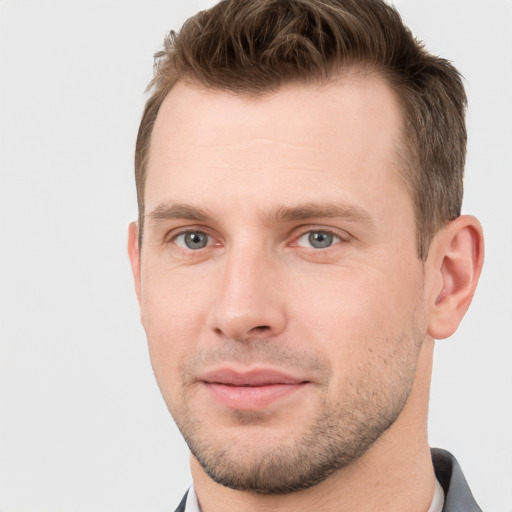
(134, 255)
(458, 253)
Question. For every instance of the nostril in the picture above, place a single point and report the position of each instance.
(261, 328)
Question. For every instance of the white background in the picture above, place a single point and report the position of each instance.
(83, 427)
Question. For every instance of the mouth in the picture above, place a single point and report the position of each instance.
(251, 390)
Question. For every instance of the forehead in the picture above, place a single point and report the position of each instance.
(215, 142)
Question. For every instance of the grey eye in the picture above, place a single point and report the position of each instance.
(320, 239)
(192, 240)
(317, 239)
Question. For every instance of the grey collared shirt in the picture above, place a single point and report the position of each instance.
(457, 495)
(192, 504)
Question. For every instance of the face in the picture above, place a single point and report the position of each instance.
(279, 282)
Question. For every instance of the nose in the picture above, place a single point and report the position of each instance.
(249, 303)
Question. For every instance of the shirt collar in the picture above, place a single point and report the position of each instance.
(192, 504)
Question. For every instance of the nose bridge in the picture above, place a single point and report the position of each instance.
(246, 303)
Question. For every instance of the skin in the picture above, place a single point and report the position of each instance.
(352, 324)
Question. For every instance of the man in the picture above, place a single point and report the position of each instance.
(299, 247)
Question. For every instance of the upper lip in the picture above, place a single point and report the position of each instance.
(255, 377)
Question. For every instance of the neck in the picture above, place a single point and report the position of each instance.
(394, 475)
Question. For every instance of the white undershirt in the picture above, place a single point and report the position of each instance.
(192, 505)
(437, 503)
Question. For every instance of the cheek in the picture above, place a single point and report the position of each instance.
(173, 313)
(171, 299)
(355, 314)
(372, 341)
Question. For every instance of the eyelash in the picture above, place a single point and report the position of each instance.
(193, 231)
(337, 236)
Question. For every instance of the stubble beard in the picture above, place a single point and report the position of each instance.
(341, 432)
(326, 447)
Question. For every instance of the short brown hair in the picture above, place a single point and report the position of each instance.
(254, 47)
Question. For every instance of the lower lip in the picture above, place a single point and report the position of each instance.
(251, 397)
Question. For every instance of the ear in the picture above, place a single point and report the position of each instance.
(134, 255)
(457, 253)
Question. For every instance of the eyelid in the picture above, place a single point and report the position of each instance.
(341, 235)
(175, 233)
(182, 244)
(299, 232)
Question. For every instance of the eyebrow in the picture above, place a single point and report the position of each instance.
(319, 210)
(171, 210)
(279, 214)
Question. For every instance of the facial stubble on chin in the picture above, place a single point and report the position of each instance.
(340, 432)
